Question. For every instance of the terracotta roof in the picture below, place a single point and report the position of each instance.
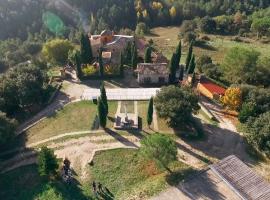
(152, 68)
(212, 87)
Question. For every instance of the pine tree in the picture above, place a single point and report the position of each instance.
(173, 68)
(86, 50)
(150, 112)
(147, 55)
(100, 61)
(102, 114)
(189, 55)
(134, 60)
(78, 65)
(103, 98)
(192, 65)
(178, 52)
(47, 162)
(121, 65)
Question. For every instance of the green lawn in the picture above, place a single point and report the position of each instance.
(165, 40)
(77, 116)
(122, 171)
(126, 174)
(142, 110)
(112, 110)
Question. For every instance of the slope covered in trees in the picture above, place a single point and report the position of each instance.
(26, 17)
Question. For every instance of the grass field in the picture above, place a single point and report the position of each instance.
(142, 110)
(122, 171)
(77, 116)
(165, 40)
(125, 173)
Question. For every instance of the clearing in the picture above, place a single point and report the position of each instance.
(166, 39)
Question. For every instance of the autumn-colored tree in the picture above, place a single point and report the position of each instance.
(173, 12)
(232, 98)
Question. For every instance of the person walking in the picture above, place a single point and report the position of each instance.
(100, 187)
(94, 186)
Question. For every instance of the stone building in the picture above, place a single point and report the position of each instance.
(152, 73)
(108, 41)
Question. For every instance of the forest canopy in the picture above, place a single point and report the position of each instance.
(25, 17)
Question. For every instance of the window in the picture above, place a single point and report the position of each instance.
(161, 79)
(147, 80)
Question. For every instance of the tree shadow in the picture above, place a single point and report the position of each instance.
(206, 185)
(106, 194)
(120, 138)
(112, 119)
(206, 47)
(25, 183)
(177, 176)
(70, 191)
(220, 143)
(48, 111)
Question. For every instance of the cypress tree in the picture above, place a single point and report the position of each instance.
(100, 61)
(103, 98)
(102, 114)
(86, 50)
(181, 74)
(193, 79)
(78, 65)
(147, 55)
(192, 65)
(173, 67)
(178, 52)
(121, 65)
(189, 55)
(150, 112)
(134, 60)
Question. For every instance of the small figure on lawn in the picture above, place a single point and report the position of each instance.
(100, 187)
(66, 166)
(94, 186)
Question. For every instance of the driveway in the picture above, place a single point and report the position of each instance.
(217, 111)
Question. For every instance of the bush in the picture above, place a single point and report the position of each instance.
(189, 36)
(111, 70)
(141, 29)
(160, 148)
(89, 70)
(258, 132)
(207, 25)
(47, 162)
(7, 129)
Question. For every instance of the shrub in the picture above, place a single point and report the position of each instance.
(89, 70)
(47, 162)
(160, 148)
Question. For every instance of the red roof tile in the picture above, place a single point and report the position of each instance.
(212, 87)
